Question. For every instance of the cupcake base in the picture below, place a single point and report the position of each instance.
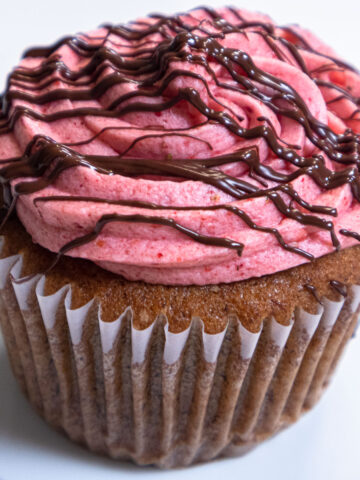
(163, 398)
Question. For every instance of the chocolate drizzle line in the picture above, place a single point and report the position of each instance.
(314, 292)
(339, 287)
(169, 222)
(197, 43)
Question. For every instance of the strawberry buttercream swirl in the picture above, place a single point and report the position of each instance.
(207, 147)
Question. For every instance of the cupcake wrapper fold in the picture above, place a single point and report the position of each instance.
(161, 398)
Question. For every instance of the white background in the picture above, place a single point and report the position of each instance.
(324, 445)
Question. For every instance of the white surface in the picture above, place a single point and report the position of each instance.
(324, 444)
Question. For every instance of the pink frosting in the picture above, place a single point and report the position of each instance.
(160, 254)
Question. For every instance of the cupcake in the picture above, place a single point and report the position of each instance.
(180, 218)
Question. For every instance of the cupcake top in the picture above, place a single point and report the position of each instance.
(211, 146)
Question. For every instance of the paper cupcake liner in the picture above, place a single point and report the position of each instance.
(161, 398)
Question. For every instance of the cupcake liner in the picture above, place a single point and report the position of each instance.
(161, 398)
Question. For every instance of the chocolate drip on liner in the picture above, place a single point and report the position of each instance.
(312, 289)
(340, 148)
(339, 287)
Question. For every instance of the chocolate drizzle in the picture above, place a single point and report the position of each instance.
(197, 43)
(312, 289)
(339, 287)
(105, 219)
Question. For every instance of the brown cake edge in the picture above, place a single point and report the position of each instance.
(251, 300)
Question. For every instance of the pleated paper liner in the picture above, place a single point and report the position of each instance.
(161, 398)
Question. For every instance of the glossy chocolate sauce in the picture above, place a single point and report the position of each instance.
(312, 289)
(339, 287)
